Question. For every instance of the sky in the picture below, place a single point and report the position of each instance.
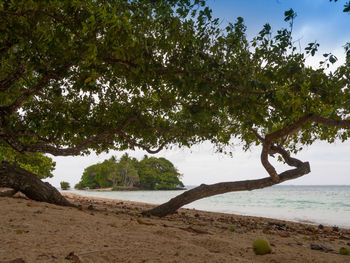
(317, 20)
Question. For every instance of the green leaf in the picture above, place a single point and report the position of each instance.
(289, 15)
(87, 80)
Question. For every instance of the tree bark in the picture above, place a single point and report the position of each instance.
(30, 185)
(203, 190)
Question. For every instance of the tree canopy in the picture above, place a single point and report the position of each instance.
(82, 75)
(158, 173)
(150, 173)
(78, 75)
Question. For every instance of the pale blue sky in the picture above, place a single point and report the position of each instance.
(317, 20)
(330, 164)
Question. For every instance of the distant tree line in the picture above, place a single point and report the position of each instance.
(150, 173)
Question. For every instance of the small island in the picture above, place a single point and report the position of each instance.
(127, 173)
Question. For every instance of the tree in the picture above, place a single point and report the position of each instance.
(158, 173)
(63, 63)
(88, 179)
(95, 75)
(293, 105)
(114, 174)
(127, 171)
(64, 185)
(150, 173)
(101, 175)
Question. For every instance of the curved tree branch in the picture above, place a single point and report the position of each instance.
(265, 161)
(291, 129)
(146, 148)
(301, 168)
(285, 155)
(203, 190)
(12, 139)
(296, 126)
(55, 150)
(269, 148)
(331, 122)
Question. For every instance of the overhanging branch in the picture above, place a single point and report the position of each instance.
(108, 136)
(296, 126)
(203, 190)
(42, 83)
(144, 147)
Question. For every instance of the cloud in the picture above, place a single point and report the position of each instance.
(330, 164)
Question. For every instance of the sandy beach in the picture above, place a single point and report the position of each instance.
(103, 230)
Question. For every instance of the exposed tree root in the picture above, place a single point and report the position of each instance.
(29, 184)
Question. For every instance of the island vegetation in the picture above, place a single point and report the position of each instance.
(65, 185)
(81, 76)
(128, 173)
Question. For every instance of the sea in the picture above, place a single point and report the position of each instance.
(327, 205)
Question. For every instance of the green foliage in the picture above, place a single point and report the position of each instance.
(158, 173)
(127, 171)
(95, 176)
(232, 229)
(89, 75)
(150, 173)
(64, 185)
(36, 163)
(289, 15)
(80, 58)
(261, 246)
(346, 6)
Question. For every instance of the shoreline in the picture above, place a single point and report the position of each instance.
(297, 218)
(108, 230)
(121, 189)
(80, 197)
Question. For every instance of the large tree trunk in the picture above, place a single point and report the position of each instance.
(29, 184)
(203, 190)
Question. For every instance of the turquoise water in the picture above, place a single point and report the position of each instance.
(329, 205)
